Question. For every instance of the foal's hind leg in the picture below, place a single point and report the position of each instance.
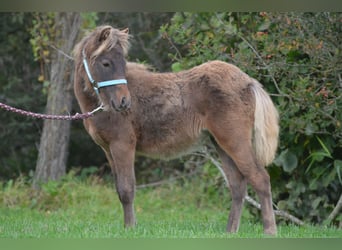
(236, 142)
(237, 184)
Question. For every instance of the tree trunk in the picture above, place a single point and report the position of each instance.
(53, 150)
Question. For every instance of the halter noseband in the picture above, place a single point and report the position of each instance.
(98, 85)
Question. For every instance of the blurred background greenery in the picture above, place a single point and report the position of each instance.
(296, 56)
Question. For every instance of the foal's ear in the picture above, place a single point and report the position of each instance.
(104, 34)
(125, 30)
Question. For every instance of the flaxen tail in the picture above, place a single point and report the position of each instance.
(266, 128)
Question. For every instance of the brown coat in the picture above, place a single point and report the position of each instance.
(168, 114)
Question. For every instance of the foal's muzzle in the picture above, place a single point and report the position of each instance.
(124, 104)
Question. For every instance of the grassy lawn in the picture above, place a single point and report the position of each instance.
(91, 209)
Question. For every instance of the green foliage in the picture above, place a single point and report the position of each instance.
(18, 87)
(297, 57)
(42, 33)
(89, 19)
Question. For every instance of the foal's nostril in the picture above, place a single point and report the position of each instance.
(124, 103)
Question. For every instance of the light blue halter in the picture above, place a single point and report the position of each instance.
(98, 85)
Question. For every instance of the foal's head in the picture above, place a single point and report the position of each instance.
(101, 60)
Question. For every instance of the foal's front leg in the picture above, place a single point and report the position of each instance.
(121, 159)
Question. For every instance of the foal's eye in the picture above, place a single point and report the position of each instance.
(106, 63)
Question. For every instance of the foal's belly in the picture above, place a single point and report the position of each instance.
(171, 147)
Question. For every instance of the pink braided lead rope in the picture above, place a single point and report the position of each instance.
(76, 116)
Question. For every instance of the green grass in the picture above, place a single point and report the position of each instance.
(91, 209)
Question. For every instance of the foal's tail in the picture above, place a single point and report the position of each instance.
(266, 128)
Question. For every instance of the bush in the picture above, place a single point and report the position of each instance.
(297, 57)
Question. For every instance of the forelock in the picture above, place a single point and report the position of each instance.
(108, 37)
(100, 40)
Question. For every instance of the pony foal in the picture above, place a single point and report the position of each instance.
(165, 114)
